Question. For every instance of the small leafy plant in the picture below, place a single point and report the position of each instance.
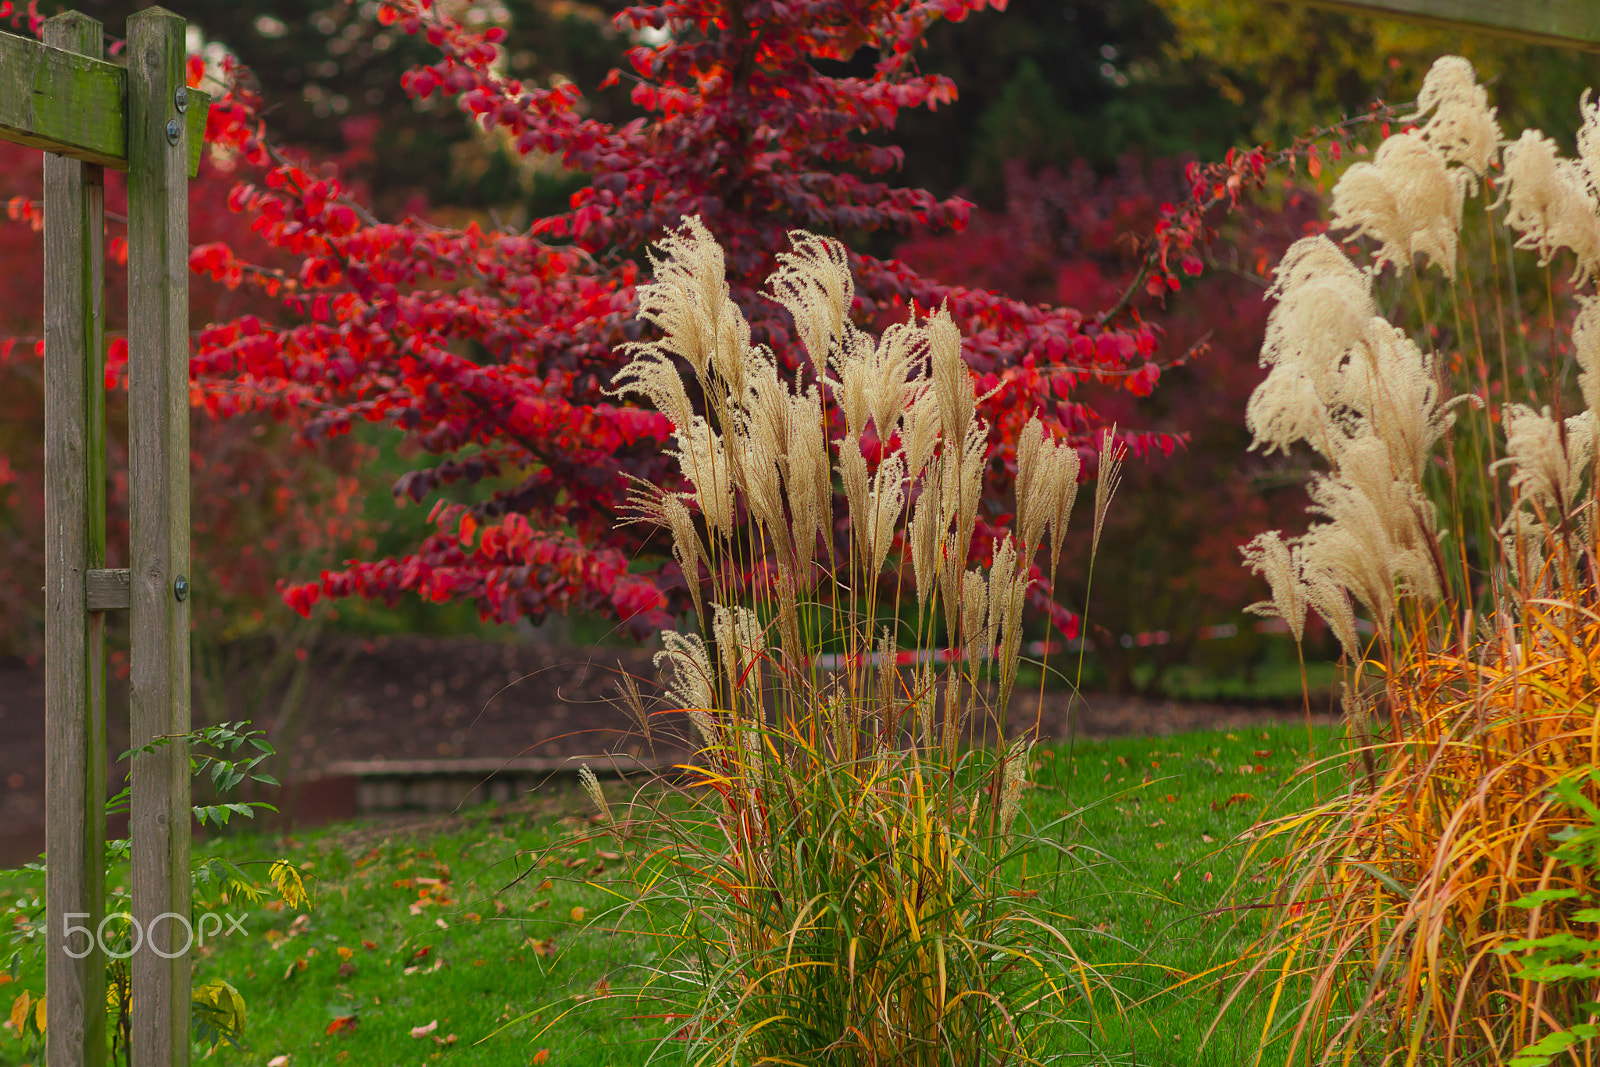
(217, 1011)
(844, 878)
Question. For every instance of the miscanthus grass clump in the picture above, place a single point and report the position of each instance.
(842, 875)
(1439, 910)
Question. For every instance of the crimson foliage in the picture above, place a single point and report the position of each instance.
(490, 349)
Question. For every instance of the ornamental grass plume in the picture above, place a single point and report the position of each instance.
(839, 878)
(1439, 909)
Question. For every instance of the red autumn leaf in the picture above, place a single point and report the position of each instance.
(344, 1024)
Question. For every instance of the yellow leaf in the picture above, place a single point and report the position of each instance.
(346, 952)
(19, 1011)
(578, 914)
(38, 1014)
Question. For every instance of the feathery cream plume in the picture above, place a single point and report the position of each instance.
(885, 505)
(810, 481)
(1586, 347)
(814, 284)
(1012, 779)
(1406, 200)
(591, 785)
(1105, 485)
(923, 425)
(974, 601)
(1065, 465)
(1329, 600)
(952, 379)
(923, 535)
(647, 502)
(1461, 124)
(652, 375)
(1033, 487)
(1546, 470)
(688, 298)
(888, 392)
(1547, 201)
(741, 646)
(1002, 577)
(704, 461)
(690, 680)
(857, 494)
(1280, 564)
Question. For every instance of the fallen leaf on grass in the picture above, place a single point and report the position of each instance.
(448, 1039)
(542, 948)
(441, 924)
(546, 885)
(578, 914)
(536, 905)
(541, 1057)
(344, 1024)
(370, 946)
(278, 1061)
(424, 1031)
(346, 969)
(345, 952)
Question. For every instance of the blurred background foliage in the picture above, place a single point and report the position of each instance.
(1072, 123)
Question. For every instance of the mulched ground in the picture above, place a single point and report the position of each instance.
(438, 697)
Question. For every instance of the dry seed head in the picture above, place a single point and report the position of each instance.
(650, 503)
(1034, 486)
(1589, 141)
(704, 461)
(689, 667)
(1406, 200)
(810, 484)
(1404, 399)
(1522, 543)
(652, 374)
(952, 379)
(1003, 577)
(857, 493)
(924, 534)
(1329, 600)
(1462, 124)
(1586, 346)
(1285, 408)
(814, 284)
(974, 602)
(688, 298)
(591, 785)
(1315, 259)
(1548, 202)
(1544, 470)
(962, 481)
(1065, 464)
(1355, 549)
(1111, 456)
(888, 393)
(887, 501)
(741, 646)
(1012, 780)
(922, 423)
(1271, 558)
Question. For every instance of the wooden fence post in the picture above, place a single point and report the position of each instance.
(75, 540)
(158, 493)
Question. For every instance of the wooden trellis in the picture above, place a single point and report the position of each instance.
(88, 115)
(1562, 23)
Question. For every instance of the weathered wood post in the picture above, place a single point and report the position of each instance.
(158, 531)
(75, 535)
(88, 115)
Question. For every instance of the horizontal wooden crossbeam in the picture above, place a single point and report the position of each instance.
(1560, 23)
(108, 590)
(74, 105)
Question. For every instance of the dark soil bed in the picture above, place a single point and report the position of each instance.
(408, 698)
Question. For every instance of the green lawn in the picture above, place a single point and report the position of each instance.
(507, 938)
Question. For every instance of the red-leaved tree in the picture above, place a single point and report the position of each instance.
(492, 349)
